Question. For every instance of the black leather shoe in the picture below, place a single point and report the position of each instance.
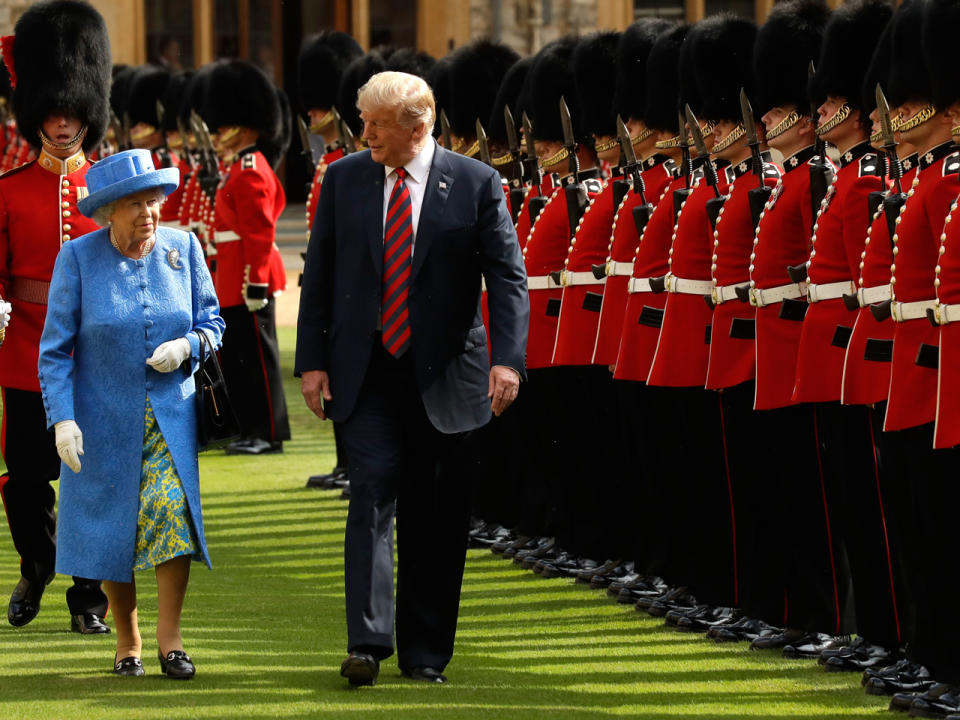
(901, 677)
(254, 446)
(88, 624)
(25, 601)
(813, 644)
(901, 701)
(487, 534)
(502, 546)
(542, 546)
(177, 664)
(602, 575)
(681, 600)
(360, 668)
(424, 674)
(857, 657)
(706, 619)
(944, 704)
(645, 586)
(644, 602)
(128, 667)
(744, 629)
(327, 480)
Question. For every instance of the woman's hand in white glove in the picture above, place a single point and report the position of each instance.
(69, 443)
(169, 355)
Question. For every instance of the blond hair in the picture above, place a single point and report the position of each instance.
(408, 94)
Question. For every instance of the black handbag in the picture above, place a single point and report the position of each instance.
(217, 423)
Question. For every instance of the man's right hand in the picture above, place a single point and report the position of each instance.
(315, 388)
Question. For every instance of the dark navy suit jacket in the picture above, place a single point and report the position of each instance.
(464, 232)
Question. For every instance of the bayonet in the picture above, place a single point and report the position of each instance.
(686, 166)
(758, 196)
(185, 140)
(306, 151)
(349, 142)
(516, 170)
(533, 175)
(338, 123)
(643, 211)
(820, 169)
(893, 202)
(574, 190)
(445, 130)
(483, 144)
(715, 203)
(569, 140)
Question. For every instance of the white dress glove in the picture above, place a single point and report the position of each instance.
(256, 304)
(5, 309)
(69, 443)
(169, 355)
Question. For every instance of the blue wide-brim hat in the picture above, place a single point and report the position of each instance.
(122, 174)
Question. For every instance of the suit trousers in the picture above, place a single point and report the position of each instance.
(250, 359)
(30, 453)
(399, 463)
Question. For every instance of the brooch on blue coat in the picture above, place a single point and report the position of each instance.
(173, 258)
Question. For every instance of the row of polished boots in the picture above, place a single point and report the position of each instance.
(883, 671)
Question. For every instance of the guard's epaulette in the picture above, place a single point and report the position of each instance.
(248, 162)
(951, 164)
(870, 165)
(771, 171)
(14, 171)
(593, 185)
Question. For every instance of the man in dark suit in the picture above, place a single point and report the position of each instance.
(390, 343)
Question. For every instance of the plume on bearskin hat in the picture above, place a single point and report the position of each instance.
(633, 51)
(148, 85)
(320, 65)
(786, 45)
(941, 18)
(849, 38)
(663, 80)
(723, 54)
(475, 74)
(61, 58)
(594, 76)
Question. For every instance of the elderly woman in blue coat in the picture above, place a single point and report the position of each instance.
(117, 354)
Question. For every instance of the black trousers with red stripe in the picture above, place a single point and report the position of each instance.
(30, 454)
(250, 358)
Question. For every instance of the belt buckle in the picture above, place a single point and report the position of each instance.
(668, 282)
(606, 268)
(563, 278)
(862, 297)
(717, 296)
(895, 311)
(938, 316)
(756, 297)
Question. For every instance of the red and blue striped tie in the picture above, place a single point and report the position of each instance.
(397, 257)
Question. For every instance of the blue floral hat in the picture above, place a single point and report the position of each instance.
(122, 174)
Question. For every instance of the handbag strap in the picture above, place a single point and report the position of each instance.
(207, 346)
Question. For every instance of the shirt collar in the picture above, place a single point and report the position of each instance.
(418, 168)
(61, 167)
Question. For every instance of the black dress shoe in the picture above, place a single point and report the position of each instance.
(645, 586)
(88, 624)
(177, 665)
(904, 676)
(254, 446)
(777, 640)
(901, 701)
(929, 705)
(606, 573)
(502, 546)
(424, 673)
(542, 546)
(488, 534)
(744, 629)
(128, 667)
(644, 602)
(813, 644)
(327, 480)
(708, 618)
(857, 657)
(682, 601)
(360, 668)
(25, 601)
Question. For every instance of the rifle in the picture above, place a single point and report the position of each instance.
(210, 167)
(758, 196)
(161, 113)
(517, 171)
(534, 173)
(894, 201)
(820, 169)
(643, 211)
(306, 152)
(709, 171)
(574, 190)
(445, 131)
(483, 144)
(185, 140)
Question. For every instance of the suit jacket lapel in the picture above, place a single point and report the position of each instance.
(373, 178)
(439, 183)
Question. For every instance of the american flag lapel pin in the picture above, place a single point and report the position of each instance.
(443, 185)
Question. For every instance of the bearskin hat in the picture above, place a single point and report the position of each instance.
(595, 78)
(172, 98)
(61, 62)
(274, 147)
(551, 78)
(508, 94)
(148, 85)
(123, 76)
(194, 93)
(412, 62)
(908, 78)
(723, 54)
(687, 71)
(786, 45)
(941, 18)
(239, 93)
(354, 77)
(322, 60)
(630, 92)
(662, 95)
(439, 81)
(475, 74)
(878, 71)
(849, 39)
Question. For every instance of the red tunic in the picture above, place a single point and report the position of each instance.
(314, 195)
(840, 230)
(248, 204)
(947, 430)
(543, 253)
(620, 253)
(866, 368)
(683, 350)
(782, 240)
(732, 350)
(38, 213)
(912, 398)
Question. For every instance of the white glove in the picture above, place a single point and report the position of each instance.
(254, 304)
(5, 309)
(69, 443)
(169, 355)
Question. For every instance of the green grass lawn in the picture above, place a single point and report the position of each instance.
(266, 630)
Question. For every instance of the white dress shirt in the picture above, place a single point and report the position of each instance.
(418, 170)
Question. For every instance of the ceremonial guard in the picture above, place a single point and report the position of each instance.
(175, 145)
(60, 73)
(243, 108)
